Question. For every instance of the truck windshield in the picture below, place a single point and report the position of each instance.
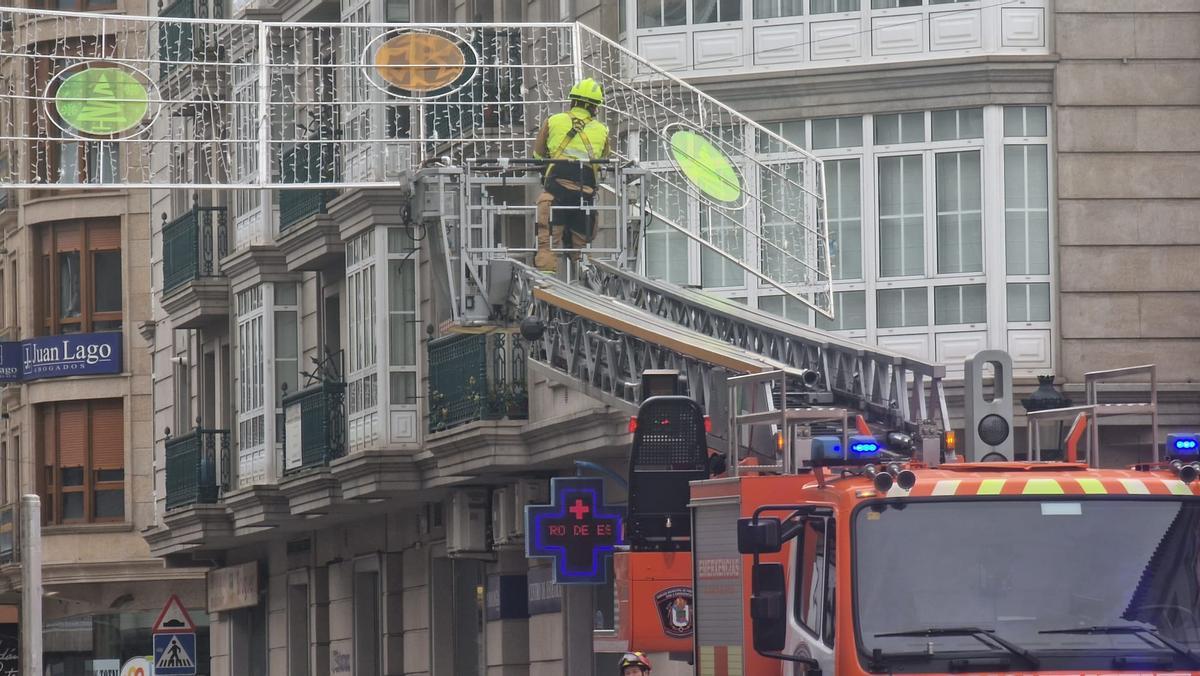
(1090, 578)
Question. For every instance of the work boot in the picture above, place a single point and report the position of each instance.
(545, 259)
(578, 241)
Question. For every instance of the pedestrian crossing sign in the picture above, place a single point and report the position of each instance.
(174, 654)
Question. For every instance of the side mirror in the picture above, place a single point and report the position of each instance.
(768, 607)
(759, 536)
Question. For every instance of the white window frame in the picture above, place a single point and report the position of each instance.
(257, 399)
(997, 330)
(365, 370)
(403, 417)
(253, 458)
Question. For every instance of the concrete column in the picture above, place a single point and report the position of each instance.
(341, 618)
(218, 644)
(578, 617)
(392, 582)
(547, 630)
(320, 620)
(507, 638)
(277, 634)
(31, 584)
(415, 612)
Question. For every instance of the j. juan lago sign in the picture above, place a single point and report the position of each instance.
(77, 354)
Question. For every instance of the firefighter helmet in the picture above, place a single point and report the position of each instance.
(635, 659)
(588, 91)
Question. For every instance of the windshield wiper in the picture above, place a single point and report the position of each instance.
(1131, 630)
(976, 633)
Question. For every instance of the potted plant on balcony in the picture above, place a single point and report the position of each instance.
(518, 401)
(439, 413)
(497, 402)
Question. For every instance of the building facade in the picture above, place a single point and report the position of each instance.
(76, 402)
(970, 149)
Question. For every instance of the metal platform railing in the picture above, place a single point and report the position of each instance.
(1095, 411)
(902, 391)
(223, 104)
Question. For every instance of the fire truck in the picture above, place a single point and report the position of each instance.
(858, 555)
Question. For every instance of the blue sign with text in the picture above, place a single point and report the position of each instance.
(577, 530)
(76, 354)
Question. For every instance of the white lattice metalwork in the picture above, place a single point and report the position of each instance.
(102, 100)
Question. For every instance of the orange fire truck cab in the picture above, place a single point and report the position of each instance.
(860, 560)
(870, 568)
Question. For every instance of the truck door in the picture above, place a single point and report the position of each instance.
(813, 586)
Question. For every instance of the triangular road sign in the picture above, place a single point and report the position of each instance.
(174, 618)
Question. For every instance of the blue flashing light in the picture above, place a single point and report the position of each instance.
(1183, 445)
(865, 447)
(862, 447)
(827, 450)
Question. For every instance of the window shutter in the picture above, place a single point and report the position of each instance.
(72, 433)
(104, 235)
(48, 443)
(108, 434)
(67, 237)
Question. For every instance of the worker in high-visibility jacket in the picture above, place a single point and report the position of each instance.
(576, 137)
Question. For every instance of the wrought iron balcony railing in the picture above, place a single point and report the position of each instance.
(476, 377)
(197, 466)
(317, 415)
(297, 205)
(176, 42)
(309, 162)
(193, 244)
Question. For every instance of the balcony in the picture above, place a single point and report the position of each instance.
(194, 291)
(185, 48)
(308, 236)
(753, 36)
(197, 467)
(297, 205)
(314, 427)
(476, 377)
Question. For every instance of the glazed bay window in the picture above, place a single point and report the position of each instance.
(268, 359)
(959, 212)
(362, 375)
(251, 399)
(81, 456)
(771, 9)
(843, 214)
(831, 6)
(402, 322)
(74, 5)
(79, 288)
(382, 297)
(740, 37)
(667, 248)
(86, 161)
(722, 227)
(960, 304)
(897, 308)
(713, 11)
(901, 216)
(946, 249)
(657, 13)
(1027, 227)
(850, 312)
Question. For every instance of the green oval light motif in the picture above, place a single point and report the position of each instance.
(706, 166)
(101, 101)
